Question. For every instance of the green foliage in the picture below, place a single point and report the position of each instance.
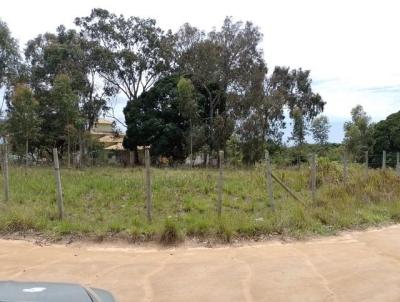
(299, 131)
(154, 120)
(233, 151)
(387, 137)
(223, 86)
(130, 54)
(170, 233)
(187, 99)
(52, 57)
(59, 113)
(358, 136)
(320, 130)
(9, 55)
(23, 123)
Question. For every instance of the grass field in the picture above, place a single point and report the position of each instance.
(106, 202)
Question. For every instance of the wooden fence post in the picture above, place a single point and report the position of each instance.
(269, 179)
(313, 176)
(132, 158)
(398, 163)
(5, 173)
(345, 167)
(286, 188)
(149, 205)
(383, 160)
(366, 164)
(220, 182)
(60, 202)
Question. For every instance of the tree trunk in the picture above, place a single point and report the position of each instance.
(26, 154)
(80, 150)
(191, 144)
(68, 149)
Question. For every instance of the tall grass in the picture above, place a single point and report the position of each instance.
(108, 202)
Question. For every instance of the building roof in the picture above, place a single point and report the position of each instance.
(117, 146)
(104, 121)
(111, 139)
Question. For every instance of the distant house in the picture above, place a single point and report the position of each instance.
(104, 132)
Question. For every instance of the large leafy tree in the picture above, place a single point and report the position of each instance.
(9, 55)
(60, 117)
(386, 137)
(263, 111)
(9, 64)
(66, 53)
(23, 123)
(154, 119)
(130, 53)
(221, 65)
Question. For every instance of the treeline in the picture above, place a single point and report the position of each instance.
(362, 135)
(187, 92)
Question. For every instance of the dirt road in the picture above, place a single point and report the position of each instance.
(360, 266)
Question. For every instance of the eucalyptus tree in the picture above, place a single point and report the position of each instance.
(9, 55)
(188, 107)
(220, 64)
(131, 54)
(320, 129)
(358, 133)
(65, 52)
(23, 122)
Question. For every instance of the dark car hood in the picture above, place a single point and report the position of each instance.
(11, 291)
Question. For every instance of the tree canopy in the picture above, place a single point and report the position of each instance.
(9, 55)
(187, 92)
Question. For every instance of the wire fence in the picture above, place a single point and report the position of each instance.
(273, 179)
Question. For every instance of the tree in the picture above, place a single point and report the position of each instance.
(320, 130)
(154, 119)
(358, 136)
(263, 116)
(9, 61)
(188, 107)
(64, 111)
(386, 136)
(23, 121)
(130, 53)
(221, 65)
(299, 130)
(9, 55)
(67, 53)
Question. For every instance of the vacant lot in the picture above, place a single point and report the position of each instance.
(105, 202)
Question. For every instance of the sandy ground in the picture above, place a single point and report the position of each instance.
(359, 266)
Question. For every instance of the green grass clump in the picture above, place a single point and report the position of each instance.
(110, 202)
(170, 234)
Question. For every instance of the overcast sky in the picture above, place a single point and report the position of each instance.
(351, 47)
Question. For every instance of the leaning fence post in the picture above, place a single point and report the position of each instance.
(5, 173)
(313, 176)
(60, 202)
(345, 167)
(269, 179)
(149, 205)
(220, 182)
(383, 160)
(366, 164)
(398, 163)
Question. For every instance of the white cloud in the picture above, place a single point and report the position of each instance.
(353, 42)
